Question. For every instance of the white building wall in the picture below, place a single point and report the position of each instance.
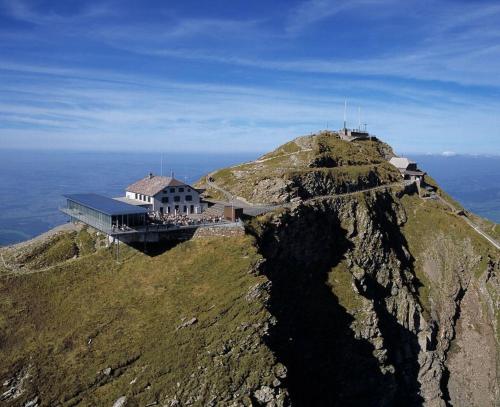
(132, 195)
(170, 206)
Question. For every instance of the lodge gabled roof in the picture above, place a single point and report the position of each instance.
(153, 184)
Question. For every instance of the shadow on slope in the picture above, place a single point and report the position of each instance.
(326, 364)
(167, 242)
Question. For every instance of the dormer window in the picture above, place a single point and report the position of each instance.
(172, 190)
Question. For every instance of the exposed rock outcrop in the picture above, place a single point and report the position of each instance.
(373, 340)
(371, 298)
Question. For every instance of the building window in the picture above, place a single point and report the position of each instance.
(149, 199)
(184, 209)
(189, 198)
(181, 189)
(164, 199)
(136, 196)
(172, 189)
(177, 198)
(189, 189)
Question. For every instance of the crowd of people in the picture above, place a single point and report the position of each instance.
(182, 219)
(121, 228)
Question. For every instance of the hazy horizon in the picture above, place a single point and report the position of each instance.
(444, 154)
(39, 179)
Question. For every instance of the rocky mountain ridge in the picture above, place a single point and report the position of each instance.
(309, 166)
(376, 297)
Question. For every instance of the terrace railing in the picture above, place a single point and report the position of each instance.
(159, 227)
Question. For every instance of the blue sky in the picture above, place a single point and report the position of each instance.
(227, 76)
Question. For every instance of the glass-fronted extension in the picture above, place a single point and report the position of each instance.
(105, 214)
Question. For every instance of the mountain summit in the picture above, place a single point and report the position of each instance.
(308, 166)
(352, 287)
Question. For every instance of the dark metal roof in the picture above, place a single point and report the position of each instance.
(105, 205)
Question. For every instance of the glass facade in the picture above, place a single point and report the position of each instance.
(90, 216)
(102, 221)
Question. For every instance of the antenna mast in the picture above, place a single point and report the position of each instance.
(345, 114)
(359, 118)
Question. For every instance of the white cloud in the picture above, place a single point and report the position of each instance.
(115, 109)
(65, 108)
(310, 12)
(26, 11)
(455, 40)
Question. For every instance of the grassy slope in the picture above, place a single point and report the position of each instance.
(488, 226)
(341, 282)
(131, 311)
(429, 224)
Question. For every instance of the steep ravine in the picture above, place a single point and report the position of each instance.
(352, 328)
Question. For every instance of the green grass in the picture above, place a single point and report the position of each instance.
(287, 148)
(491, 228)
(86, 242)
(340, 280)
(131, 312)
(432, 228)
(49, 252)
(215, 194)
(335, 164)
(352, 173)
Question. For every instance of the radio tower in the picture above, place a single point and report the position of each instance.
(345, 115)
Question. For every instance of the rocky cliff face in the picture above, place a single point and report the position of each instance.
(372, 310)
(372, 298)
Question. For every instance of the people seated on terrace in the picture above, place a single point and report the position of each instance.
(123, 228)
(181, 219)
